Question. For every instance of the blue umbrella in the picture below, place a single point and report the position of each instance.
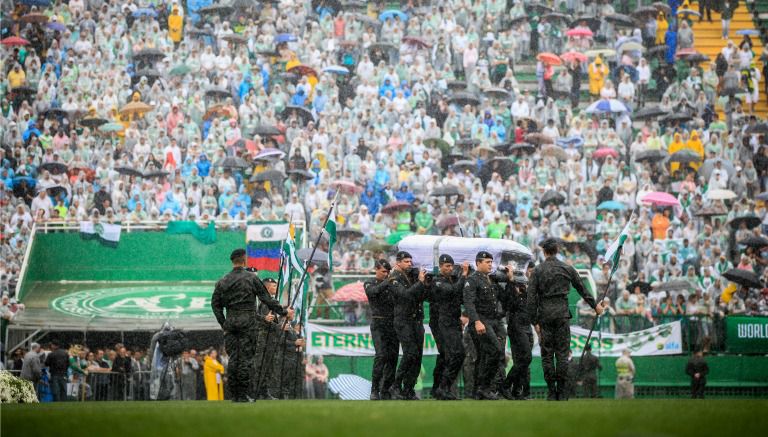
(750, 32)
(145, 12)
(30, 181)
(39, 3)
(576, 141)
(605, 106)
(392, 14)
(285, 37)
(55, 25)
(612, 205)
(336, 69)
(762, 196)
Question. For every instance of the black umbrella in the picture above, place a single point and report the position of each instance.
(697, 58)
(267, 130)
(55, 167)
(383, 46)
(743, 277)
(503, 166)
(523, 147)
(92, 122)
(151, 75)
(754, 241)
(24, 90)
(592, 22)
(675, 285)
(649, 112)
(517, 20)
(445, 191)
(466, 142)
(300, 111)
(56, 190)
(198, 32)
(217, 93)
(757, 129)
(710, 212)
(55, 113)
(156, 174)
(497, 93)
(232, 162)
(731, 91)
(644, 287)
(538, 7)
(752, 221)
(464, 98)
(456, 85)
(268, 175)
(363, 18)
(685, 157)
(651, 155)
(216, 9)
(661, 48)
(351, 234)
(149, 55)
(586, 224)
(129, 171)
(621, 20)
(645, 11)
(318, 258)
(553, 16)
(235, 38)
(678, 116)
(552, 197)
(301, 174)
(463, 165)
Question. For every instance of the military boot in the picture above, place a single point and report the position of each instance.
(396, 394)
(375, 395)
(551, 391)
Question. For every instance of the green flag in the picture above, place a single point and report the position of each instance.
(330, 228)
(613, 253)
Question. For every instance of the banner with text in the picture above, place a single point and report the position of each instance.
(356, 341)
(746, 335)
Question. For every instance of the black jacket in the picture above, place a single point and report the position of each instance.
(237, 291)
(380, 299)
(58, 362)
(446, 296)
(548, 291)
(408, 297)
(481, 297)
(514, 303)
(697, 365)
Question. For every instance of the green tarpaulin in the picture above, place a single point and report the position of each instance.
(204, 235)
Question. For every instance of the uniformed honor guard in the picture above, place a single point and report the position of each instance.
(548, 291)
(445, 298)
(234, 305)
(518, 381)
(481, 298)
(383, 331)
(266, 345)
(408, 292)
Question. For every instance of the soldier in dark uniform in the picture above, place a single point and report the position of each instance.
(408, 294)
(383, 331)
(548, 290)
(445, 297)
(481, 302)
(469, 368)
(288, 359)
(266, 346)
(588, 366)
(518, 382)
(237, 293)
(697, 369)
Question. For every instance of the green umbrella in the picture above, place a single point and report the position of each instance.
(111, 127)
(180, 70)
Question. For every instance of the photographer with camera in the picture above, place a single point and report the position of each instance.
(481, 297)
(237, 293)
(408, 287)
(518, 382)
(445, 321)
(383, 331)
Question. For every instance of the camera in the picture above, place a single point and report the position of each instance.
(413, 275)
(499, 276)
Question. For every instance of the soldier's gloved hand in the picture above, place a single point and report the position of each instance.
(422, 275)
(465, 269)
(479, 327)
(600, 308)
(301, 342)
(269, 317)
(291, 313)
(537, 328)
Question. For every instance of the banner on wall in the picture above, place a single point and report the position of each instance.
(746, 335)
(356, 341)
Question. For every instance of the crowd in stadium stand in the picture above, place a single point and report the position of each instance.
(451, 117)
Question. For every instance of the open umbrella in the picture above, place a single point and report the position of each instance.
(501, 165)
(591, 21)
(320, 257)
(435, 142)
(686, 13)
(549, 58)
(557, 16)
(523, 147)
(54, 113)
(746, 278)
(456, 85)
(554, 151)
(216, 9)
(605, 53)
(302, 70)
(391, 14)
(631, 47)
(604, 106)
(651, 155)
(417, 42)
(541, 8)
(35, 17)
(345, 186)
(649, 112)
(574, 56)
(483, 148)
(349, 233)
(14, 41)
(711, 211)
(151, 75)
(54, 168)
(301, 174)
(56, 26)
(464, 98)
(660, 199)
(754, 241)
(710, 164)
(757, 129)
(149, 55)
(354, 292)
(685, 157)
(54, 190)
(612, 205)
(621, 20)
(697, 58)
(195, 32)
(448, 222)
(156, 174)
(270, 153)
(750, 32)
(762, 196)
(135, 108)
(129, 171)
(217, 93)
(581, 33)
(267, 130)
(363, 18)
(235, 38)
(303, 113)
(232, 163)
(644, 287)
(720, 195)
(551, 197)
(751, 221)
(674, 285)
(111, 127)
(464, 165)
(538, 138)
(31, 182)
(180, 70)
(604, 152)
(285, 37)
(268, 175)
(336, 69)
(497, 93)
(466, 142)
(445, 191)
(395, 207)
(645, 12)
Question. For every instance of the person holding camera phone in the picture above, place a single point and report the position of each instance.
(408, 289)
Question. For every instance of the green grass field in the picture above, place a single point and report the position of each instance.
(339, 418)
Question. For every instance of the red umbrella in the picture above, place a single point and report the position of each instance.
(582, 32)
(661, 199)
(549, 58)
(304, 70)
(574, 56)
(354, 292)
(604, 152)
(346, 187)
(685, 52)
(14, 41)
(395, 207)
(416, 41)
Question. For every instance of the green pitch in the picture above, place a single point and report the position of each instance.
(423, 418)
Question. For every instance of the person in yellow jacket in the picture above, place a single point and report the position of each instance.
(694, 143)
(16, 77)
(175, 26)
(661, 27)
(675, 146)
(213, 375)
(598, 71)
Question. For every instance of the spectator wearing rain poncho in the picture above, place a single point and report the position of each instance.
(371, 199)
(170, 204)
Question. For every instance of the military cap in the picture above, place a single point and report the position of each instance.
(483, 255)
(270, 281)
(237, 253)
(383, 264)
(549, 245)
(445, 259)
(403, 255)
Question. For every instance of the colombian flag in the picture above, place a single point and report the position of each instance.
(263, 243)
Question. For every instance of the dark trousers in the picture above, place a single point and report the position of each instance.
(454, 354)
(387, 349)
(241, 347)
(440, 361)
(705, 7)
(410, 334)
(490, 350)
(59, 388)
(589, 387)
(697, 387)
(521, 344)
(555, 344)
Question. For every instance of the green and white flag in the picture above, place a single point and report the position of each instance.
(291, 262)
(613, 253)
(330, 228)
(108, 234)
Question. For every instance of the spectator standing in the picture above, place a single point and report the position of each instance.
(189, 368)
(320, 377)
(214, 376)
(31, 367)
(58, 363)
(697, 369)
